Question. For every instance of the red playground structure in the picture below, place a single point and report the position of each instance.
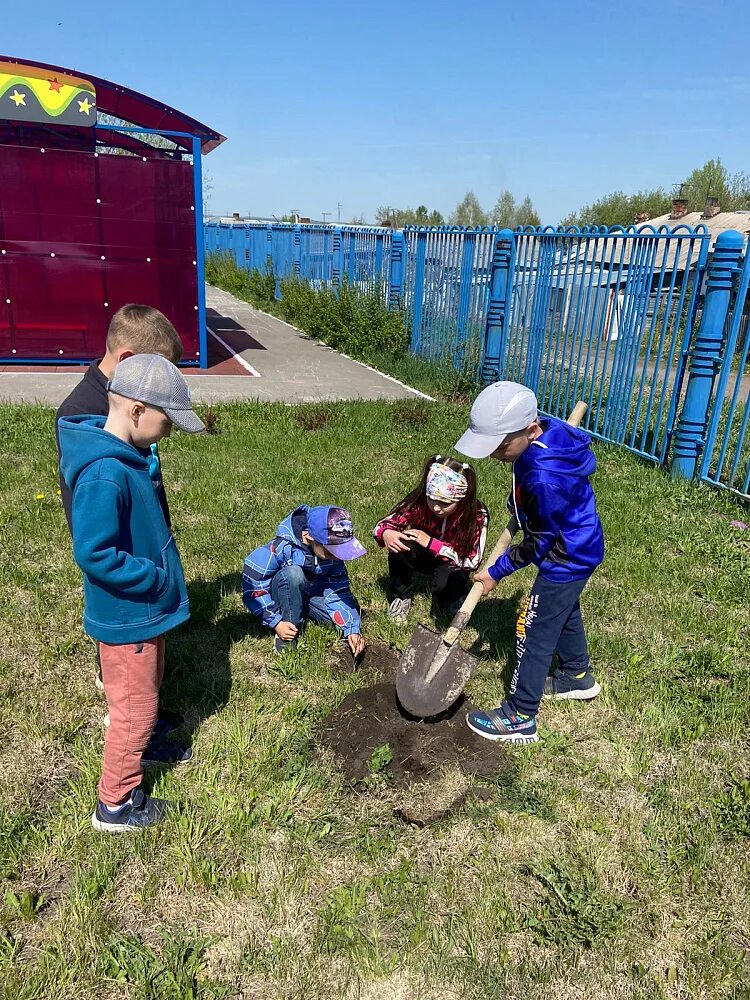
(100, 204)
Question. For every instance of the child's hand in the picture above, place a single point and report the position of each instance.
(420, 537)
(395, 541)
(486, 580)
(356, 644)
(286, 631)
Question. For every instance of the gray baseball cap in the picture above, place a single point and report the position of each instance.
(150, 378)
(500, 409)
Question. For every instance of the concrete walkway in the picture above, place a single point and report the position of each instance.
(252, 356)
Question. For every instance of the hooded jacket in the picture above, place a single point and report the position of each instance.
(133, 583)
(326, 577)
(555, 506)
(90, 396)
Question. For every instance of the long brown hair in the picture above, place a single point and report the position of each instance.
(466, 512)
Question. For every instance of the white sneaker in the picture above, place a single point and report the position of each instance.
(398, 610)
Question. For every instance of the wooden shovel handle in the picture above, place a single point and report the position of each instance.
(466, 610)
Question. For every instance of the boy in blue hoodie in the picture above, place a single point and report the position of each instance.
(133, 585)
(555, 507)
(300, 574)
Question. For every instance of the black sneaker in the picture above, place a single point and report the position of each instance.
(138, 813)
(164, 752)
(563, 686)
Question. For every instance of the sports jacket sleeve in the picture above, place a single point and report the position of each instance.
(340, 602)
(260, 568)
(442, 550)
(397, 521)
(545, 507)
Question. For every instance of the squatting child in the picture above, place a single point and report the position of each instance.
(439, 529)
(300, 575)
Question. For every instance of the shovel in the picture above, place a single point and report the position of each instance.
(434, 669)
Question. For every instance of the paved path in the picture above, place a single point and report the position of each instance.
(252, 356)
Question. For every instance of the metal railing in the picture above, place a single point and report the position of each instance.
(726, 456)
(635, 321)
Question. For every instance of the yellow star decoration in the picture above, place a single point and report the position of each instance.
(85, 106)
(20, 99)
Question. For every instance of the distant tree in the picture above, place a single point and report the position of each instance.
(711, 180)
(468, 212)
(208, 186)
(526, 214)
(508, 214)
(714, 180)
(358, 220)
(504, 212)
(400, 217)
(620, 209)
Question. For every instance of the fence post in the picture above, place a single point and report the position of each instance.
(338, 257)
(501, 287)
(705, 354)
(398, 263)
(297, 251)
(352, 268)
(418, 298)
(269, 248)
(379, 258)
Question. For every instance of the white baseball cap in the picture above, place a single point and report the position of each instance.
(500, 409)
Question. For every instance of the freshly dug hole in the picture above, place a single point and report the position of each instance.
(370, 718)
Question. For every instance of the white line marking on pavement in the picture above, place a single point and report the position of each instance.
(234, 354)
(360, 363)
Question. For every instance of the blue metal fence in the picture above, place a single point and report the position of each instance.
(623, 318)
(606, 317)
(322, 255)
(726, 456)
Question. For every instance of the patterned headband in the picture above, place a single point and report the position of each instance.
(446, 484)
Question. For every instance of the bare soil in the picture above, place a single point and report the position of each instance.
(371, 718)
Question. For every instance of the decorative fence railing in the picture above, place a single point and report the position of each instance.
(634, 321)
(725, 458)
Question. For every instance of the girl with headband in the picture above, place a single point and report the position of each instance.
(440, 530)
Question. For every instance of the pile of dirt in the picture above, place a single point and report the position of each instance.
(409, 750)
(378, 661)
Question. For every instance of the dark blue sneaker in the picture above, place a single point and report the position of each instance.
(167, 723)
(138, 813)
(164, 752)
(503, 724)
(573, 687)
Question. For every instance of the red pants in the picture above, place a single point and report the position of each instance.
(132, 675)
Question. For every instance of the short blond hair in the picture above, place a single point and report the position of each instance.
(144, 330)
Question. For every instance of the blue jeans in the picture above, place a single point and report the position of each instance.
(549, 622)
(290, 589)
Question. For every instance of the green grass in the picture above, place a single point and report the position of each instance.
(612, 863)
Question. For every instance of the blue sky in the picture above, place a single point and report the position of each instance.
(412, 102)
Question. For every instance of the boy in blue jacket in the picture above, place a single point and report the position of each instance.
(133, 585)
(555, 507)
(300, 574)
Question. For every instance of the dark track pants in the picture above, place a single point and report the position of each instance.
(549, 622)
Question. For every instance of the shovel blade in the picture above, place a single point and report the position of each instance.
(418, 695)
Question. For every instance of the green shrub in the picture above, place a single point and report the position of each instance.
(348, 319)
